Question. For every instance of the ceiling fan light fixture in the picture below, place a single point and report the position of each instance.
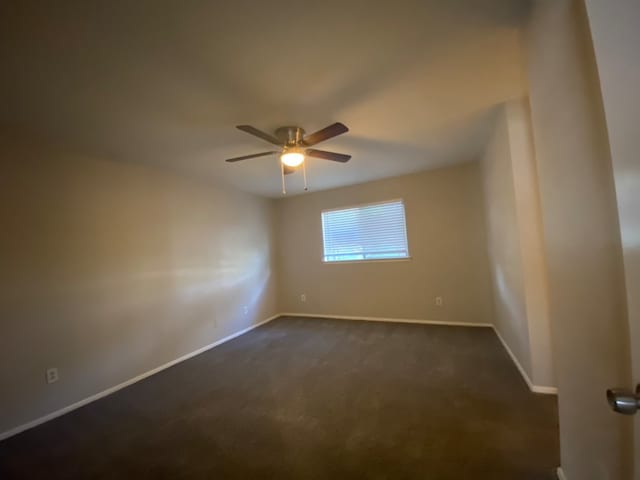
(292, 158)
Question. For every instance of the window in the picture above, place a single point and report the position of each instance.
(376, 231)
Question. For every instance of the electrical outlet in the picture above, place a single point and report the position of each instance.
(51, 375)
(245, 310)
(303, 297)
(439, 301)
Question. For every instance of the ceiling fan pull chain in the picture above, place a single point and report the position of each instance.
(304, 174)
(284, 189)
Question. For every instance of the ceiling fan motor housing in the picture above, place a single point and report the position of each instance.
(290, 136)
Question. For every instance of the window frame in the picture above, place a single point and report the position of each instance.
(365, 260)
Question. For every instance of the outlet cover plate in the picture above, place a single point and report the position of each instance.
(52, 375)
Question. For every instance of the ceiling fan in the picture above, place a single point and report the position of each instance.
(293, 145)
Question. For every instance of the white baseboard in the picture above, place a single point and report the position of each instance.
(561, 475)
(544, 389)
(109, 391)
(534, 388)
(384, 319)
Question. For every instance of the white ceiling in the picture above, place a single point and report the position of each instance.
(165, 82)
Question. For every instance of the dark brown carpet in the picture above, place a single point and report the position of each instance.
(311, 399)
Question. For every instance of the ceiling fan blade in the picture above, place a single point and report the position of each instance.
(325, 134)
(336, 157)
(255, 155)
(259, 134)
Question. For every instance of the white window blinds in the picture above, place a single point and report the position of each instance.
(368, 232)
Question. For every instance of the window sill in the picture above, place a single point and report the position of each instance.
(381, 260)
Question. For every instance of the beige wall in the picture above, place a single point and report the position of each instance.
(515, 239)
(110, 270)
(504, 244)
(582, 241)
(445, 227)
(534, 261)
